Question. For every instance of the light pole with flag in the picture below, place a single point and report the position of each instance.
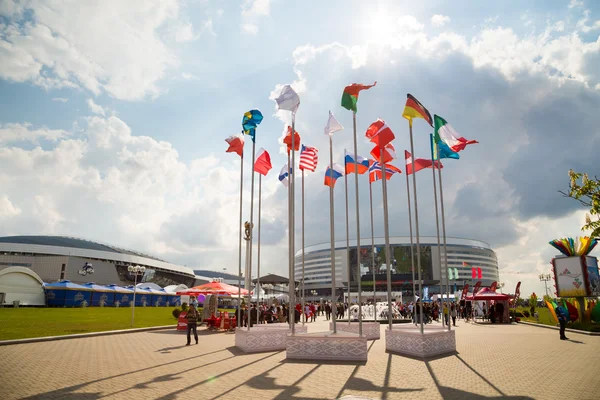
(250, 122)
(236, 145)
(349, 102)
(262, 165)
(331, 174)
(309, 158)
(288, 100)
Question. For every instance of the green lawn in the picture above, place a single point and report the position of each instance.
(544, 315)
(20, 323)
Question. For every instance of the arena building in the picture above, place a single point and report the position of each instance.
(56, 258)
(317, 265)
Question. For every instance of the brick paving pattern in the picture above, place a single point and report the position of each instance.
(499, 361)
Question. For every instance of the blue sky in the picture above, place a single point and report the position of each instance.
(112, 117)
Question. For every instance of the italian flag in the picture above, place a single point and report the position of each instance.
(447, 134)
(350, 95)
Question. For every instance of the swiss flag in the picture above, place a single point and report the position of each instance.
(379, 133)
(389, 153)
(420, 163)
(236, 144)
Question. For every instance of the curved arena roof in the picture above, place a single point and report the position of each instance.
(65, 245)
(424, 241)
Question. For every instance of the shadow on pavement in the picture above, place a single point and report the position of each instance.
(69, 392)
(452, 393)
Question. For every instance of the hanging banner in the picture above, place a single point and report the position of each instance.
(476, 288)
(464, 292)
(493, 286)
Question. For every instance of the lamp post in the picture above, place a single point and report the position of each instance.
(545, 278)
(135, 270)
(500, 286)
(313, 292)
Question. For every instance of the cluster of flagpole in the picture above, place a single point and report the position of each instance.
(445, 143)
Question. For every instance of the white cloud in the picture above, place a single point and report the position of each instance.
(252, 12)
(10, 133)
(60, 99)
(583, 25)
(575, 3)
(52, 48)
(95, 108)
(7, 209)
(439, 20)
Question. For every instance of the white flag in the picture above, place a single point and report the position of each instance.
(288, 99)
(284, 175)
(332, 125)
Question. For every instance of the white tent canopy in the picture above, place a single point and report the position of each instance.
(22, 284)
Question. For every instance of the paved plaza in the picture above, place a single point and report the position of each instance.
(492, 361)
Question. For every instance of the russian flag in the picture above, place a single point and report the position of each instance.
(332, 176)
(361, 168)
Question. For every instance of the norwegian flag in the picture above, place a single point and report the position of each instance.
(376, 173)
(309, 157)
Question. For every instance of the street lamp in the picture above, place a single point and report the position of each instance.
(545, 278)
(135, 271)
(314, 292)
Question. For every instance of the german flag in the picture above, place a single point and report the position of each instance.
(414, 109)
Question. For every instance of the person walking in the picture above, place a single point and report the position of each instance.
(563, 317)
(453, 311)
(328, 311)
(192, 323)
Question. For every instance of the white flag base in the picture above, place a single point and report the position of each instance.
(264, 337)
(339, 346)
(408, 340)
(372, 330)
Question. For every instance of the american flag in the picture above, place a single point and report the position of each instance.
(375, 172)
(309, 157)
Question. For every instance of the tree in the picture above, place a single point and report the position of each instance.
(587, 193)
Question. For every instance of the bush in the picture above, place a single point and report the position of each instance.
(184, 306)
(526, 314)
(176, 313)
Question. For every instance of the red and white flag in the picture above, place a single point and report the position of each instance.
(236, 144)
(262, 165)
(379, 133)
(420, 163)
(309, 157)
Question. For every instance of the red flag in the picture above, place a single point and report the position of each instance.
(389, 153)
(517, 292)
(288, 140)
(236, 144)
(476, 288)
(420, 163)
(262, 165)
(473, 273)
(479, 274)
(379, 133)
(493, 286)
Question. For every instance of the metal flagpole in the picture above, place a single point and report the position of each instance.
(258, 256)
(249, 277)
(445, 249)
(239, 318)
(292, 220)
(303, 294)
(358, 274)
(386, 231)
(412, 150)
(332, 233)
(292, 308)
(412, 250)
(373, 253)
(347, 241)
(437, 227)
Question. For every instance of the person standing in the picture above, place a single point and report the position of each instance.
(328, 311)
(563, 317)
(192, 323)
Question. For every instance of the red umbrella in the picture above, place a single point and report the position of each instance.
(218, 288)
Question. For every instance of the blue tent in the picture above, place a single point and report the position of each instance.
(66, 294)
(100, 293)
(158, 296)
(123, 295)
(141, 296)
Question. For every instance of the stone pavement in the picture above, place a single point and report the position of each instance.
(492, 361)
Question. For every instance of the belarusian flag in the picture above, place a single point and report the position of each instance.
(350, 95)
(446, 133)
